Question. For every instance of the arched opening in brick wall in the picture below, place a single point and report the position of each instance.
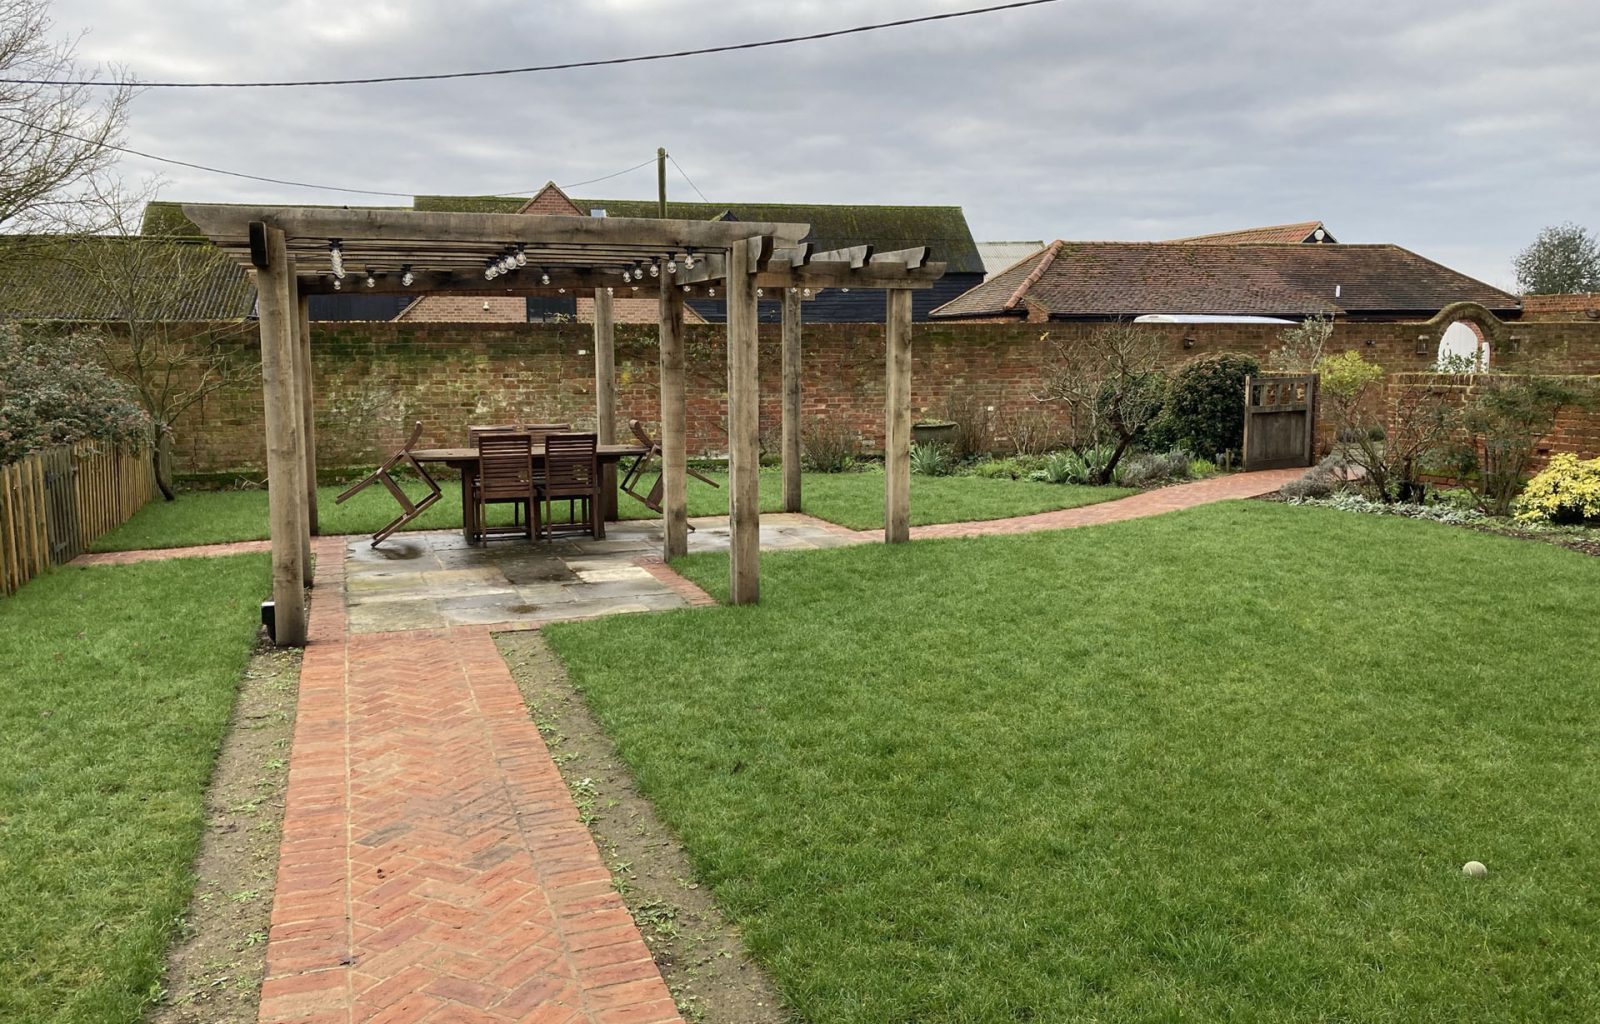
(1463, 349)
(1464, 337)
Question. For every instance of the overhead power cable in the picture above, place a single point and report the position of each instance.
(533, 69)
(285, 181)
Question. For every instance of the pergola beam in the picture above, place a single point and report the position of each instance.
(791, 443)
(674, 421)
(854, 255)
(897, 418)
(488, 229)
(285, 457)
(910, 259)
(744, 429)
(605, 381)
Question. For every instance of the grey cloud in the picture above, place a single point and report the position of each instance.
(1457, 129)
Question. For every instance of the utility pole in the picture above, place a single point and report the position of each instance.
(661, 182)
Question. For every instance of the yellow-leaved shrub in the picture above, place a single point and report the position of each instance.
(1567, 491)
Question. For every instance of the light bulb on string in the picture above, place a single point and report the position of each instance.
(407, 278)
(372, 282)
(672, 267)
(807, 293)
(655, 270)
(544, 278)
(522, 257)
(760, 293)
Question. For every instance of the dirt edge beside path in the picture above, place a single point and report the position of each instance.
(700, 954)
(215, 967)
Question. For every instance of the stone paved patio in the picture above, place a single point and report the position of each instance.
(437, 580)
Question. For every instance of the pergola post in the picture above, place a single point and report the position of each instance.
(897, 418)
(285, 457)
(605, 385)
(744, 428)
(308, 406)
(674, 428)
(297, 396)
(791, 399)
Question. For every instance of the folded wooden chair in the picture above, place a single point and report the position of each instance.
(637, 469)
(409, 509)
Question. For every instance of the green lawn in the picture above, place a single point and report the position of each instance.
(119, 683)
(1218, 765)
(849, 499)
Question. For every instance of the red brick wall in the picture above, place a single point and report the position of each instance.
(1577, 428)
(373, 379)
(1579, 306)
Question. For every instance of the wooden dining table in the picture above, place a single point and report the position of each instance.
(466, 461)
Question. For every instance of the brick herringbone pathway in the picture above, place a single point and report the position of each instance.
(243, 547)
(1136, 506)
(433, 865)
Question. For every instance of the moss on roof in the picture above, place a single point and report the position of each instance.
(43, 277)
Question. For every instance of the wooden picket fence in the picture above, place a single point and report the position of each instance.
(57, 501)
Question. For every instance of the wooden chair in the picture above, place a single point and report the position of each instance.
(641, 465)
(409, 509)
(505, 475)
(572, 473)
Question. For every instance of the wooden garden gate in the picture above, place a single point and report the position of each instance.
(1280, 419)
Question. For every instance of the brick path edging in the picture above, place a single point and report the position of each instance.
(433, 865)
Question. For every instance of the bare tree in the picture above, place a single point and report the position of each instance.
(53, 138)
(1302, 346)
(159, 296)
(1111, 386)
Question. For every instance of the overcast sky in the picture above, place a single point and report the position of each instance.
(1457, 128)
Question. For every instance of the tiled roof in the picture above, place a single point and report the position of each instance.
(40, 279)
(1300, 232)
(942, 228)
(1127, 279)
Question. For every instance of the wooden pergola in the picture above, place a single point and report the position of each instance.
(297, 252)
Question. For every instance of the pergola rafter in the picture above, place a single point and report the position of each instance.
(290, 252)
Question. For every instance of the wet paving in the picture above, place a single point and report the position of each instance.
(438, 580)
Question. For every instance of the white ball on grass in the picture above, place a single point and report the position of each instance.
(1474, 869)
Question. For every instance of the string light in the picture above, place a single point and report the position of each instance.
(655, 269)
(407, 278)
(522, 257)
(808, 293)
(336, 284)
(544, 278)
(372, 282)
(711, 292)
(336, 257)
(688, 259)
(608, 290)
(491, 270)
(793, 290)
(760, 293)
(672, 266)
